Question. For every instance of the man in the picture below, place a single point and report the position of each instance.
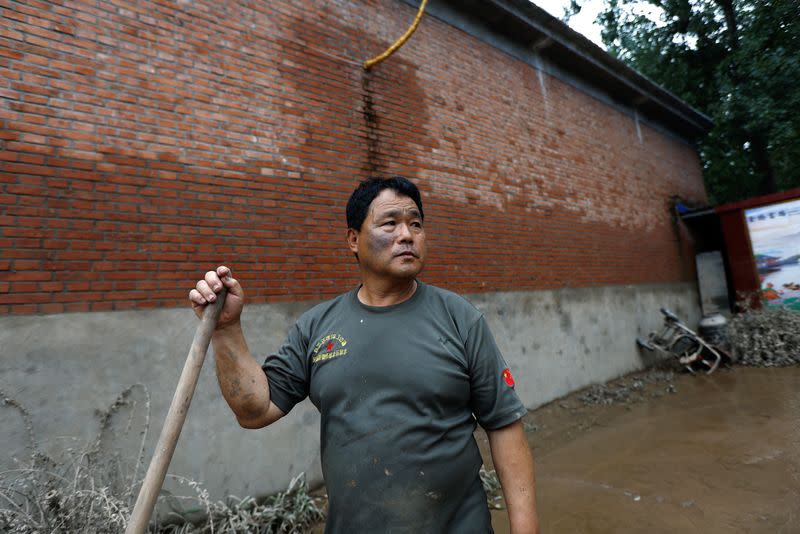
(400, 371)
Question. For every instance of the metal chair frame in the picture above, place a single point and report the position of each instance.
(677, 339)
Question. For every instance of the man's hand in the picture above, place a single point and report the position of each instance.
(241, 380)
(206, 291)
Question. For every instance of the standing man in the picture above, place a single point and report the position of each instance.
(400, 372)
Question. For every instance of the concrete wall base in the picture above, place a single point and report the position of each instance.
(66, 369)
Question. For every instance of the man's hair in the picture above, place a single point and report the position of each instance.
(365, 193)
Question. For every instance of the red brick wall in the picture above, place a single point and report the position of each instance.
(142, 142)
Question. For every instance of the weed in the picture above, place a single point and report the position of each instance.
(491, 485)
(93, 488)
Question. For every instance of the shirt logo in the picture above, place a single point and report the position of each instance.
(508, 378)
(329, 347)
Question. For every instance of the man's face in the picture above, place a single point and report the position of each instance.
(391, 242)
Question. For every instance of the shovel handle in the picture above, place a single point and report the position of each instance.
(171, 431)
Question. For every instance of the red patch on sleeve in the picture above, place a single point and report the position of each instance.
(507, 377)
(330, 345)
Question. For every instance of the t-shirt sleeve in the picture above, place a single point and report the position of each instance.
(492, 397)
(287, 371)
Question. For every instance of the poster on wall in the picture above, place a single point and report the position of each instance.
(775, 237)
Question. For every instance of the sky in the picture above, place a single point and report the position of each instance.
(583, 22)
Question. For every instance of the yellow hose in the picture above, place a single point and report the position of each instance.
(400, 42)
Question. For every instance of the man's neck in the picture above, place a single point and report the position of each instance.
(385, 293)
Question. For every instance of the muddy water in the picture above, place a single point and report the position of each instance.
(721, 454)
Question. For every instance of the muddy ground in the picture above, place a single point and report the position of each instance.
(664, 452)
(706, 454)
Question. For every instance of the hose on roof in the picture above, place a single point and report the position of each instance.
(400, 42)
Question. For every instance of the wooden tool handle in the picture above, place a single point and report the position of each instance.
(176, 416)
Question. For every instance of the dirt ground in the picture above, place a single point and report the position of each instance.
(705, 454)
(662, 452)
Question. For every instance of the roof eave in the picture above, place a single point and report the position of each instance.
(552, 39)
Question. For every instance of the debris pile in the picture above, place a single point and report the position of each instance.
(766, 338)
(609, 394)
(629, 389)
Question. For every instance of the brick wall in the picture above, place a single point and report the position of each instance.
(142, 142)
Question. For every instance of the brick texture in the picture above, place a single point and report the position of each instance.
(143, 142)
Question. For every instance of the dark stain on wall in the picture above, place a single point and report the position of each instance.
(371, 123)
(355, 122)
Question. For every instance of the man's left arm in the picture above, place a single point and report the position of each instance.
(513, 462)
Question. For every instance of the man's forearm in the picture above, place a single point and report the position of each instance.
(243, 383)
(513, 462)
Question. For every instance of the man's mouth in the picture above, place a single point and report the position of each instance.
(409, 253)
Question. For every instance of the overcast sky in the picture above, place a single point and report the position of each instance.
(583, 22)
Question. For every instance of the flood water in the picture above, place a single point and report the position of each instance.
(720, 455)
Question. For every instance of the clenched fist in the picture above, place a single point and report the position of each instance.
(206, 290)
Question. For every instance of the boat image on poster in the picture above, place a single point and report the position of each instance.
(775, 238)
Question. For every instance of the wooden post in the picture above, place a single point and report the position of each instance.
(176, 416)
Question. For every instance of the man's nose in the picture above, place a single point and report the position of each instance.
(404, 232)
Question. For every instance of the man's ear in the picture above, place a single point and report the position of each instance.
(352, 240)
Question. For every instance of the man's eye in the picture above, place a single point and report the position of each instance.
(416, 224)
(388, 223)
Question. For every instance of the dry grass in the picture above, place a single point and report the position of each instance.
(491, 485)
(93, 489)
(290, 511)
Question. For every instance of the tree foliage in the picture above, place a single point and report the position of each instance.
(737, 61)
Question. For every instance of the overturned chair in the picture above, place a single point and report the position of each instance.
(678, 340)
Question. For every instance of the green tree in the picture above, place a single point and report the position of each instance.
(738, 61)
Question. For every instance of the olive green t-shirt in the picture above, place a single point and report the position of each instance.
(399, 389)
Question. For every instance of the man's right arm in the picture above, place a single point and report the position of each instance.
(243, 383)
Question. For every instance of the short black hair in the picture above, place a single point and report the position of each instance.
(365, 193)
